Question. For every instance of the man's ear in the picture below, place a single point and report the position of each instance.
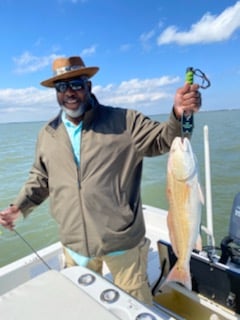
(89, 85)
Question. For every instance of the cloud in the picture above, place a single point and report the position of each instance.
(145, 39)
(136, 93)
(28, 63)
(125, 47)
(88, 51)
(209, 29)
(34, 104)
(30, 104)
(31, 96)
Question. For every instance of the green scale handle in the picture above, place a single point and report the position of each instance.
(187, 119)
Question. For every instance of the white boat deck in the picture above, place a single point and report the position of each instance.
(50, 292)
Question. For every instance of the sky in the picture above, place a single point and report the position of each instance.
(142, 47)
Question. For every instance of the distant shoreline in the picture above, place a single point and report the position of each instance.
(149, 115)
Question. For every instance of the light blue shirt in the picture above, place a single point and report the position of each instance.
(75, 133)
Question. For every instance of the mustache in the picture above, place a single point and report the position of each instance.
(82, 108)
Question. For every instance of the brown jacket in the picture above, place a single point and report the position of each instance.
(97, 206)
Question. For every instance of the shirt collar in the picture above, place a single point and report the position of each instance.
(67, 122)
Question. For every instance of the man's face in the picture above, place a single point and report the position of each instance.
(73, 94)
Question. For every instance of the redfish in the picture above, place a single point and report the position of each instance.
(185, 200)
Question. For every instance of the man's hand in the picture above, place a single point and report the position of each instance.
(187, 99)
(8, 216)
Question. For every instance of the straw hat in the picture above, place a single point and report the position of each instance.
(67, 68)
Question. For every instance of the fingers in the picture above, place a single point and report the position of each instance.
(188, 88)
(194, 87)
(6, 223)
(187, 99)
(191, 101)
(8, 216)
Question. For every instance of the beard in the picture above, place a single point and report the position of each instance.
(83, 107)
(75, 113)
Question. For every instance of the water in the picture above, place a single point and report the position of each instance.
(17, 145)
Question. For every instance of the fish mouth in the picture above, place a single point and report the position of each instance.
(182, 161)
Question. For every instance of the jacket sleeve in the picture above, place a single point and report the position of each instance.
(152, 138)
(35, 190)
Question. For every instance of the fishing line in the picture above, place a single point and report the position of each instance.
(33, 250)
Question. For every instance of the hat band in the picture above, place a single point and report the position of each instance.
(63, 70)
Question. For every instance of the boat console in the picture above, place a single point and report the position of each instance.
(219, 283)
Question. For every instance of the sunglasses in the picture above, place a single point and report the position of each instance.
(78, 84)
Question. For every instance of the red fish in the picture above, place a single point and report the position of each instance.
(185, 203)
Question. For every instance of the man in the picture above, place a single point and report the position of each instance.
(89, 162)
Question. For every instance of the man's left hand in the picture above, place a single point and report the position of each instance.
(187, 99)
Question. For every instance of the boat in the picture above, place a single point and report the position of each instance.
(39, 287)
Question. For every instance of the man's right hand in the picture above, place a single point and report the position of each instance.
(8, 216)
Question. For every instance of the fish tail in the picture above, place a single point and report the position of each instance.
(181, 275)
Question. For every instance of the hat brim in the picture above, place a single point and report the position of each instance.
(88, 72)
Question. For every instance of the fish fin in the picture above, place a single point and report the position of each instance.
(170, 232)
(198, 245)
(201, 196)
(180, 275)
